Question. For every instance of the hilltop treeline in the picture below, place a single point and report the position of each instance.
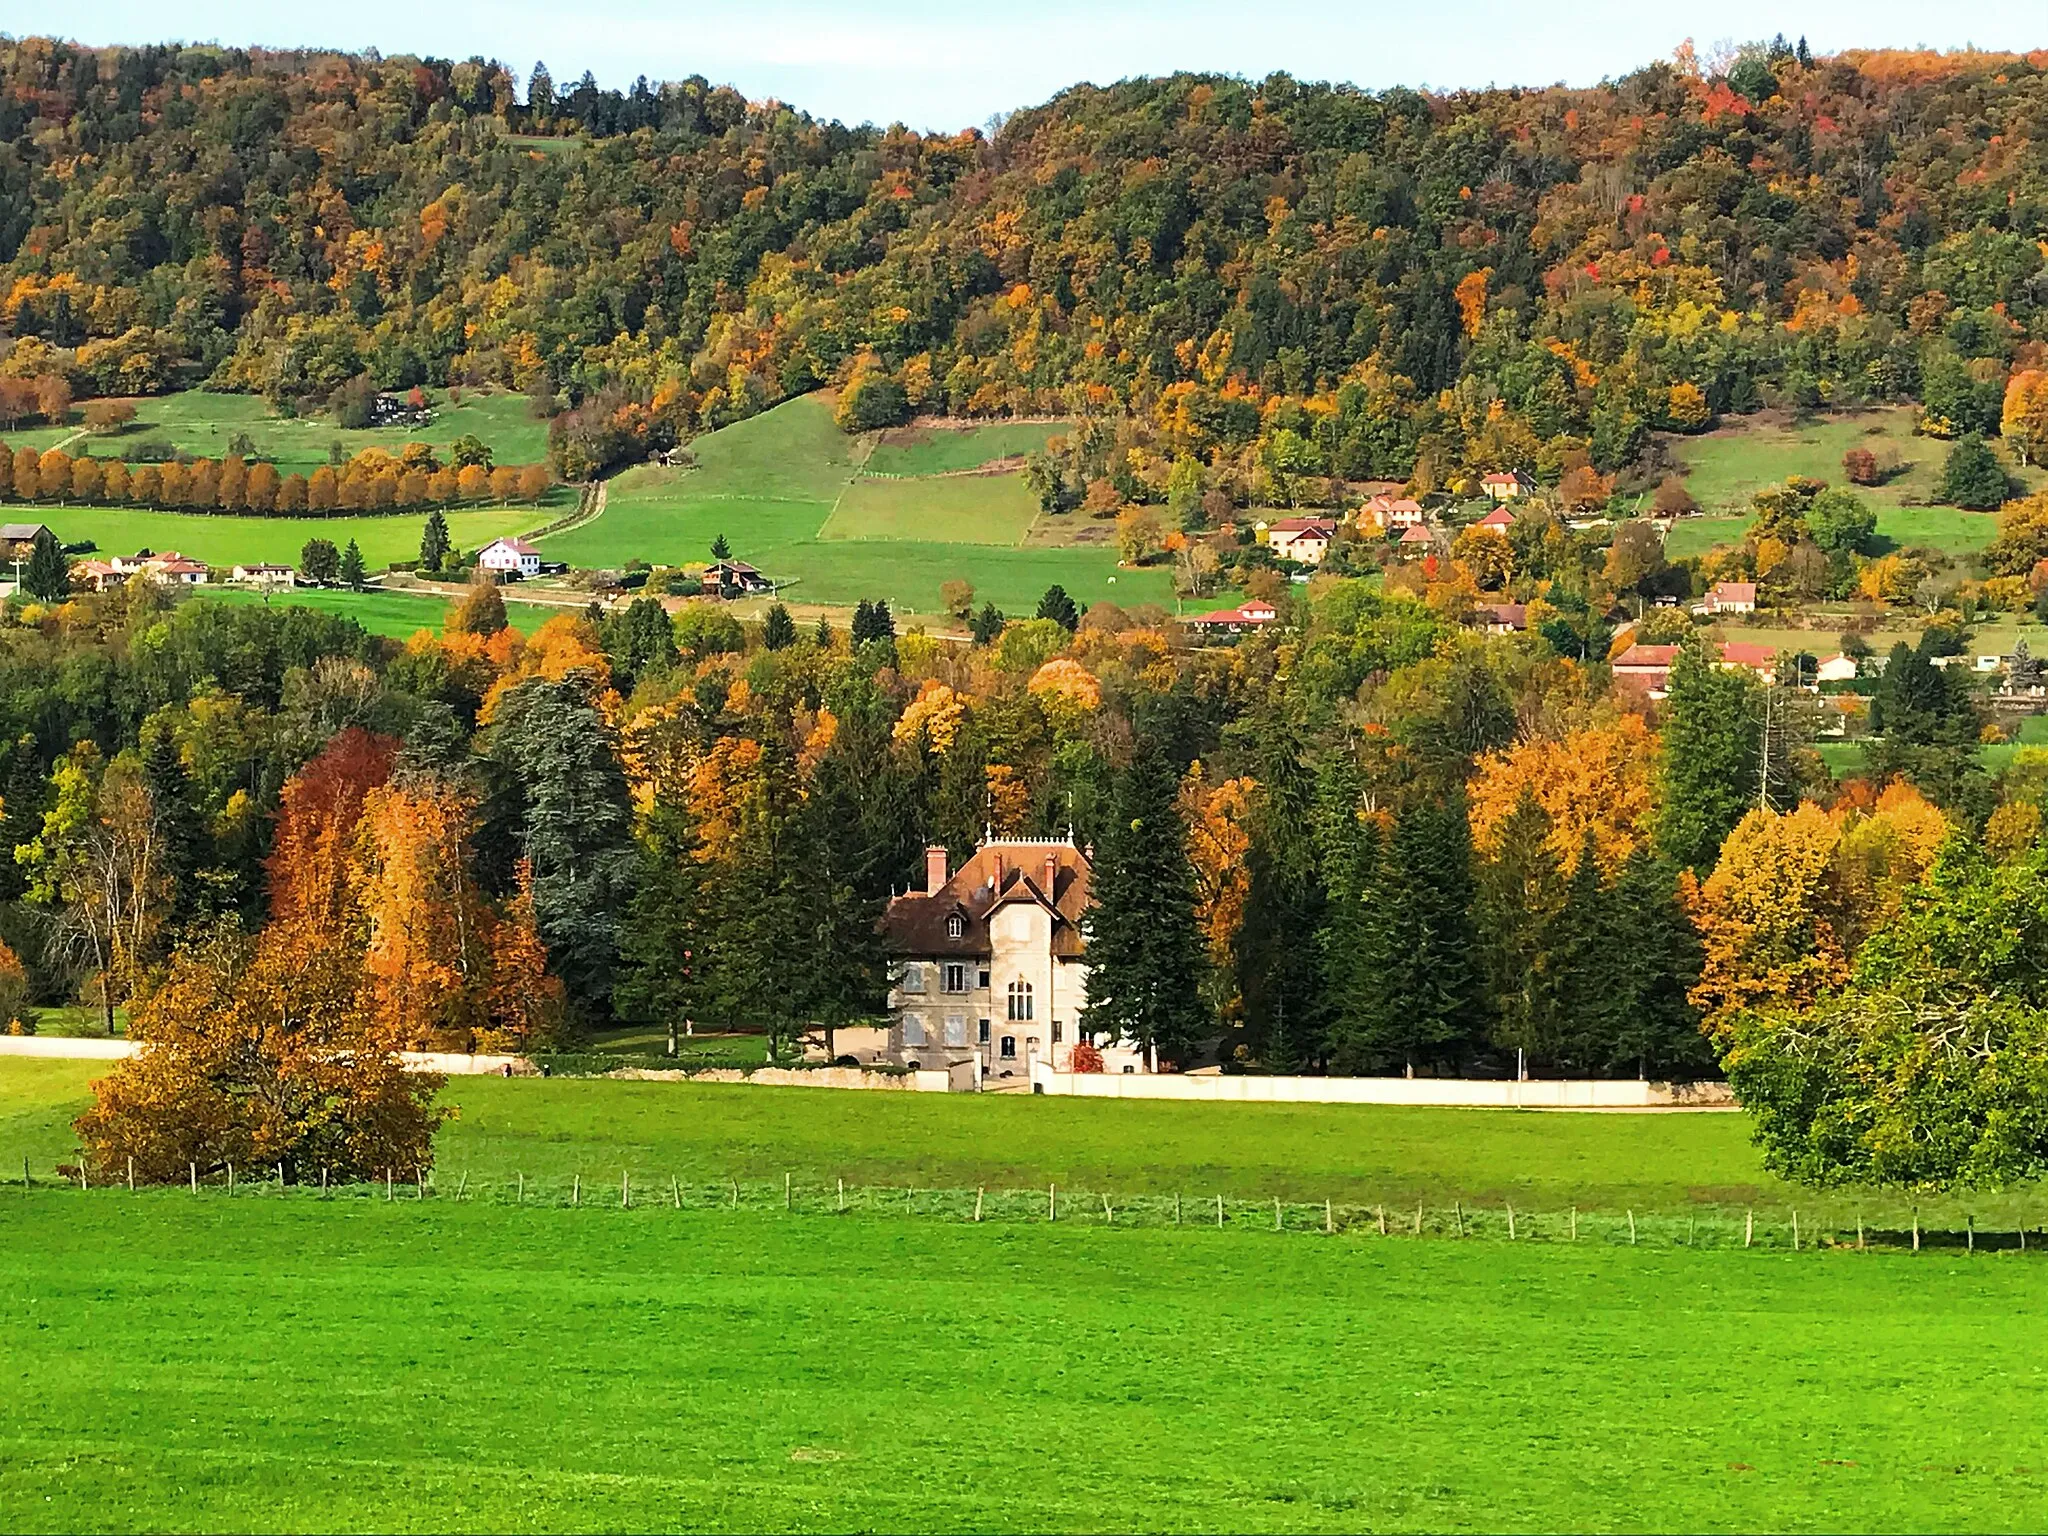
(1277, 279)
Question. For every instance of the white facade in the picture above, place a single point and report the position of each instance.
(510, 557)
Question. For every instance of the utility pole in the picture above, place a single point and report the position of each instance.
(1763, 761)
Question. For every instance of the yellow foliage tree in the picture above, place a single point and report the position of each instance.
(936, 713)
(1770, 917)
(1593, 781)
(1219, 839)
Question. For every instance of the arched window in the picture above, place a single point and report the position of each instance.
(956, 926)
(1020, 1000)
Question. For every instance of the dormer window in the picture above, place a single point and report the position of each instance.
(956, 926)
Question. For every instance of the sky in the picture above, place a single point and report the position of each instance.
(942, 64)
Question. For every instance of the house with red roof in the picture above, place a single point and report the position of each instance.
(989, 967)
(509, 557)
(1507, 485)
(1731, 597)
(1500, 520)
(1304, 540)
(1250, 614)
(1416, 541)
(1502, 618)
(1390, 514)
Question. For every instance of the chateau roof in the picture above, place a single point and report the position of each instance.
(1002, 871)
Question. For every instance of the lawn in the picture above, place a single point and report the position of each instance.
(222, 540)
(551, 1131)
(489, 1356)
(944, 450)
(201, 423)
(942, 509)
(1723, 468)
(397, 614)
(770, 485)
(1948, 529)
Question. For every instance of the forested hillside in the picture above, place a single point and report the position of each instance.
(1285, 280)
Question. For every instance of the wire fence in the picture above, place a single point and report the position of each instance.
(1776, 1229)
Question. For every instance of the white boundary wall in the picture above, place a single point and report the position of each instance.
(89, 1048)
(1450, 1092)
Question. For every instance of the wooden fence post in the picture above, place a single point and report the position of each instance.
(1052, 1202)
(462, 1185)
(675, 1192)
(1329, 1218)
(1969, 1228)
(1916, 1229)
(131, 1175)
(785, 1192)
(1418, 1221)
(977, 1202)
(1276, 1213)
(1219, 1213)
(1795, 1230)
(1107, 1213)
(419, 1175)
(194, 1167)
(735, 1194)
(1859, 1231)
(1575, 1224)
(576, 1189)
(842, 1195)
(387, 1181)
(1382, 1213)
(520, 1198)
(1458, 1214)
(625, 1189)
(280, 1175)
(1176, 1207)
(323, 1181)
(231, 1178)
(1511, 1222)
(1631, 1229)
(1748, 1227)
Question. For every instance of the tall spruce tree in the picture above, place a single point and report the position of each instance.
(352, 572)
(1278, 963)
(1520, 897)
(1713, 741)
(434, 543)
(181, 835)
(778, 629)
(46, 576)
(1144, 951)
(574, 824)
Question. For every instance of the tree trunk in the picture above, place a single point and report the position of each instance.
(107, 999)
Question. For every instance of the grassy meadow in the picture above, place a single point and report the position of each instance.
(202, 423)
(1724, 468)
(786, 490)
(398, 615)
(222, 540)
(939, 451)
(486, 1356)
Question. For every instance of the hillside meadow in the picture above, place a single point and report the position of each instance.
(786, 491)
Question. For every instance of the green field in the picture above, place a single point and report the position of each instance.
(279, 1361)
(946, 509)
(222, 540)
(200, 422)
(783, 489)
(1723, 468)
(938, 451)
(398, 615)
(1948, 529)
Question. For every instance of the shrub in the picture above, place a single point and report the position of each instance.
(1973, 478)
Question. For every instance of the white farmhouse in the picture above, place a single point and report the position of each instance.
(510, 557)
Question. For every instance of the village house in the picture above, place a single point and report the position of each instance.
(262, 575)
(735, 576)
(1499, 520)
(1835, 669)
(17, 539)
(513, 558)
(1731, 597)
(1507, 485)
(1391, 514)
(1502, 618)
(1760, 659)
(1649, 666)
(1247, 615)
(1304, 540)
(988, 967)
(167, 566)
(97, 574)
(1416, 541)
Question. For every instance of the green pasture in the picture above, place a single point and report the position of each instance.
(398, 615)
(944, 509)
(1723, 468)
(771, 485)
(948, 450)
(1663, 1166)
(202, 423)
(1948, 529)
(223, 540)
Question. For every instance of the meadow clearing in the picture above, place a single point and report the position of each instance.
(279, 1361)
(1722, 469)
(396, 615)
(787, 491)
(222, 540)
(203, 423)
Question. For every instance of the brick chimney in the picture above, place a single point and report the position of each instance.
(934, 868)
(1052, 874)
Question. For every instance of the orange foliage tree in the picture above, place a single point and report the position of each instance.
(1595, 781)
